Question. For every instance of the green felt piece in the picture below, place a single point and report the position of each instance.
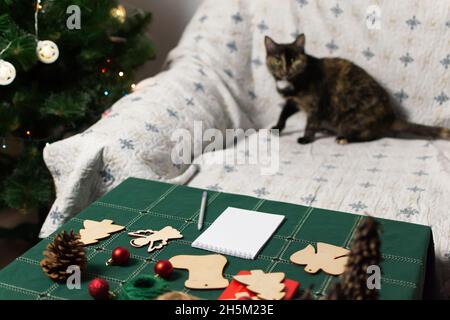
(140, 204)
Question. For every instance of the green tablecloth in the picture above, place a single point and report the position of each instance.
(141, 204)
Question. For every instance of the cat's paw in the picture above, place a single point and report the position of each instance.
(342, 141)
(277, 127)
(304, 140)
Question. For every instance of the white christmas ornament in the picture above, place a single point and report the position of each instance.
(47, 51)
(7, 73)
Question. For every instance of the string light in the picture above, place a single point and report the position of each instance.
(119, 13)
(133, 86)
(106, 92)
(121, 74)
(104, 70)
(28, 133)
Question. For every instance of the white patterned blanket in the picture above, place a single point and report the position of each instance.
(217, 75)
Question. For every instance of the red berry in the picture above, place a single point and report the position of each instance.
(120, 256)
(99, 289)
(163, 268)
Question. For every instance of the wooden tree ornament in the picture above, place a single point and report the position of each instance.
(94, 230)
(267, 286)
(205, 272)
(329, 258)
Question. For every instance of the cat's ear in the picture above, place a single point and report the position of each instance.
(271, 46)
(300, 42)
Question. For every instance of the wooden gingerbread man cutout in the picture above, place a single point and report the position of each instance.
(329, 258)
(205, 272)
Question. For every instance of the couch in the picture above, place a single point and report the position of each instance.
(217, 75)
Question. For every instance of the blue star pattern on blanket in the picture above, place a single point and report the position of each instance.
(406, 59)
(229, 168)
(229, 73)
(295, 34)
(380, 156)
(446, 61)
(126, 144)
(232, 46)
(336, 10)
(368, 54)
(189, 101)
(257, 62)
(442, 98)
(56, 216)
(416, 189)
(151, 127)
(358, 206)
(237, 17)
(424, 158)
(332, 46)
(106, 175)
(303, 3)
(309, 199)
(367, 185)
(56, 173)
(261, 192)
(337, 155)
(401, 95)
(262, 26)
(199, 87)
(252, 94)
(420, 173)
(409, 212)
(413, 23)
(172, 113)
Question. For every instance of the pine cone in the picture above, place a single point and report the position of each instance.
(64, 251)
(365, 252)
(306, 295)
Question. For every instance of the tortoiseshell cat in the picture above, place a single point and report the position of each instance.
(337, 96)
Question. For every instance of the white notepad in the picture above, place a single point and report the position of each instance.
(238, 232)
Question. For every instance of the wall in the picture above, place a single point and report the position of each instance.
(169, 20)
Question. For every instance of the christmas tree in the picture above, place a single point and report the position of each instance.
(63, 87)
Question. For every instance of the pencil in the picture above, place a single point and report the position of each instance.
(201, 216)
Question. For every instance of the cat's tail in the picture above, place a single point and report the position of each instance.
(402, 126)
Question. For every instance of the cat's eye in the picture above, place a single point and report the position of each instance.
(276, 61)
